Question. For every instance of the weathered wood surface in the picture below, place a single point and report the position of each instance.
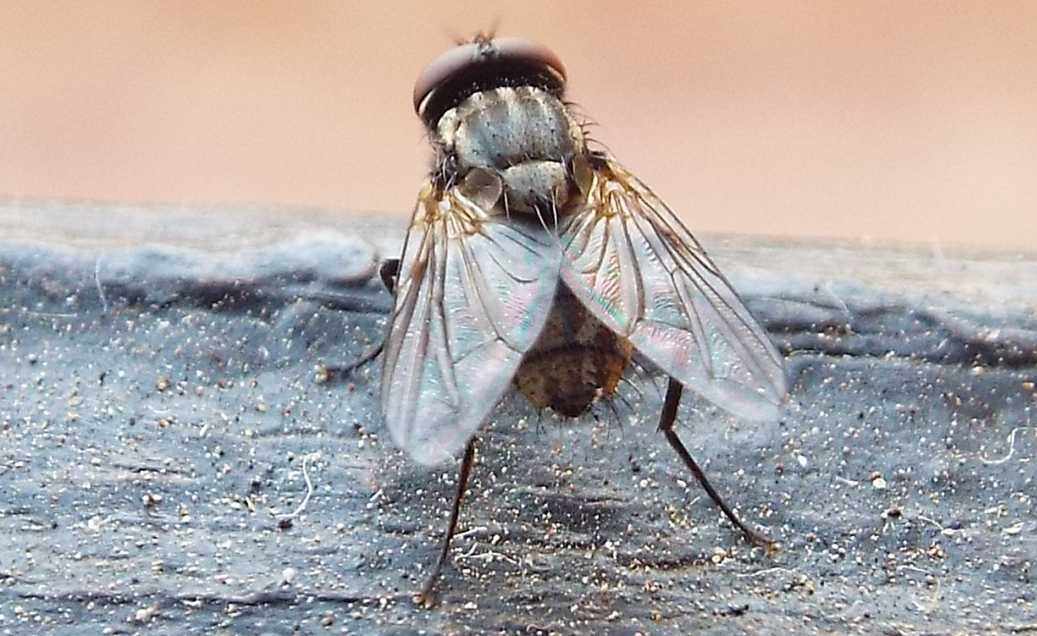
(161, 410)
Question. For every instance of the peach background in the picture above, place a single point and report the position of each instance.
(910, 120)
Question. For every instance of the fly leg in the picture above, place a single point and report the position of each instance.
(666, 423)
(387, 271)
(427, 596)
(339, 371)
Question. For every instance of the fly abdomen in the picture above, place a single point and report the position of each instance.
(575, 360)
(568, 380)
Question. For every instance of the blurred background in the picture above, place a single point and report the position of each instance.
(876, 120)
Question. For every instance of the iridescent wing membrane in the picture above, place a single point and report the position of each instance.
(644, 276)
(473, 294)
(475, 291)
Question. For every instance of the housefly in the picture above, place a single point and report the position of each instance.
(535, 261)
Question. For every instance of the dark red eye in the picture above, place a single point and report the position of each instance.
(461, 58)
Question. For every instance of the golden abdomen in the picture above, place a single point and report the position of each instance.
(575, 360)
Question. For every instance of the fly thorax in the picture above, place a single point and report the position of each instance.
(524, 135)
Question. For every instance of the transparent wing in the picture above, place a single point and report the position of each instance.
(472, 296)
(642, 274)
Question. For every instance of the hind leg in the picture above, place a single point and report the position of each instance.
(427, 596)
(666, 424)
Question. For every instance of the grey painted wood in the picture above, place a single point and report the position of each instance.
(162, 406)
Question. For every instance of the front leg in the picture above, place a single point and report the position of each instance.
(388, 271)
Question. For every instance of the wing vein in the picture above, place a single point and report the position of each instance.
(461, 321)
(649, 279)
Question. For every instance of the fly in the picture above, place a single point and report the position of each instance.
(536, 262)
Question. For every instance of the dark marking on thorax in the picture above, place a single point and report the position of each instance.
(525, 136)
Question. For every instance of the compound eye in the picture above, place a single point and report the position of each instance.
(461, 58)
